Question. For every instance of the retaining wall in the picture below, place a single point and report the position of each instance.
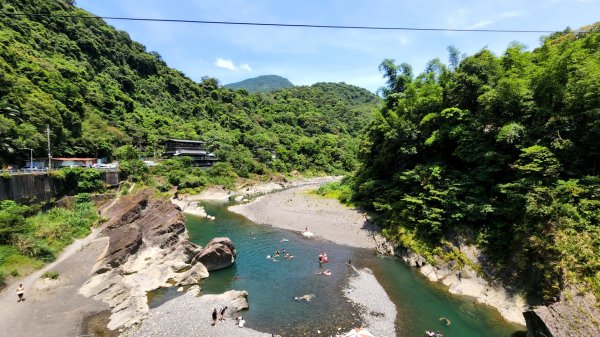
(40, 186)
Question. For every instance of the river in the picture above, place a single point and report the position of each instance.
(273, 284)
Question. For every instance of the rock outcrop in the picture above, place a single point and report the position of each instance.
(574, 315)
(148, 249)
(466, 281)
(219, 253)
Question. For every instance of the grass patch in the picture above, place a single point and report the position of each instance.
(336, 190)
(34, 238)
(50, 275)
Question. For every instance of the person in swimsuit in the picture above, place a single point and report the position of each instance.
(20, 293)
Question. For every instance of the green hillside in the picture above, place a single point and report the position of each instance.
(98, 90)
(501, 150)
(264, 83)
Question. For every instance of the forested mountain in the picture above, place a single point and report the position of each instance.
(264, 83)
(97, 89)
(503, 150)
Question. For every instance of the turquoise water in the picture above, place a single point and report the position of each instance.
(272, 285)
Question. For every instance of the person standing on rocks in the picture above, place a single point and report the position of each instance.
(214, 316)
(222, 314)
(20, 293)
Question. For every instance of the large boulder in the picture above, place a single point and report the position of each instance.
(575, 314)
(219, 253)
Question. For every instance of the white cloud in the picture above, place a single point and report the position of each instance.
(228, 64)
(480, 24)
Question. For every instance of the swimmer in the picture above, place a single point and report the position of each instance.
(326, 272)
(430, 333)
(305, 298)
(284, 240)
(447, 321)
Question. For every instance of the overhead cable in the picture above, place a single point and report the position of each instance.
(264, 24)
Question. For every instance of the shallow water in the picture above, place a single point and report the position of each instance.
(272, 285)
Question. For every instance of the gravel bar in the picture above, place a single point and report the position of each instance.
(189, 315)
(377, 310)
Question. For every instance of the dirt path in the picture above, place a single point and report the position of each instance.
(54, 307)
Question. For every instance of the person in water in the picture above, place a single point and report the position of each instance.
(447, 321)
(326, 272)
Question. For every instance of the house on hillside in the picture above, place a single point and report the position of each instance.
(195, 149)
(73, 162)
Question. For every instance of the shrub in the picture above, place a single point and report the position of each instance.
(50, 275)
(83, 197)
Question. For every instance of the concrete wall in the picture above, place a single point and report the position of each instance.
(40, 187)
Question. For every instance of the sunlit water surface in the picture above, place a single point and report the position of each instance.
(273, 285)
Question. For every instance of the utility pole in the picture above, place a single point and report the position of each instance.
(49, 153)
(30, 158)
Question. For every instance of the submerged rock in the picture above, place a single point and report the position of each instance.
(219, 253)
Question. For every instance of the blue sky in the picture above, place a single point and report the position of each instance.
(309, 55)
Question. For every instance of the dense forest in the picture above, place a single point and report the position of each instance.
(500, 150)
(98, 90)
(265, 83)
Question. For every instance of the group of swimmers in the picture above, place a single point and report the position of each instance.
(277, 253)
(438, 333)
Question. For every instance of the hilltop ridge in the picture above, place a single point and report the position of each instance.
(263, 83)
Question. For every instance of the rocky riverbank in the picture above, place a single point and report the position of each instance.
(297, 210)
(147, 249)
(465, 281)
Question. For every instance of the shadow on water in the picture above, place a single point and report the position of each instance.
(272, 285)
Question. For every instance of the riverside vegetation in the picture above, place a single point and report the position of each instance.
(501, 150)
(29, 237)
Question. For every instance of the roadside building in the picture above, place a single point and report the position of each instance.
(74, 162)
(195, 149)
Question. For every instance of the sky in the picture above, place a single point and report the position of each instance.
(310, 55)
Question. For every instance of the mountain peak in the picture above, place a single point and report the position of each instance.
(264, 83)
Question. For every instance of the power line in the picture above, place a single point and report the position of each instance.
(264, 24)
